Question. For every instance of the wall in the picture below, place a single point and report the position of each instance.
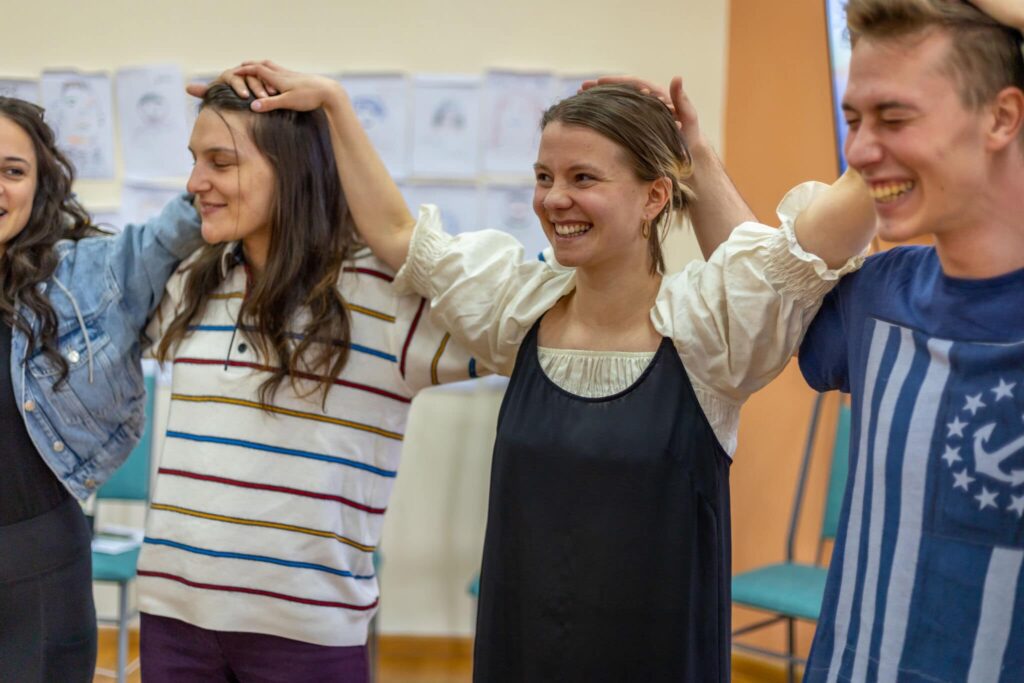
(434, 529)
(778, 132)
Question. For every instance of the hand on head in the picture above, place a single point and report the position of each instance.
(274, 86)
(676, 100)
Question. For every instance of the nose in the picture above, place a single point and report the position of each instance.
(556, 198)
(863, 147)
(197, 181)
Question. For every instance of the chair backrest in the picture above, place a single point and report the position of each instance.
(837, 476)
(131, 480)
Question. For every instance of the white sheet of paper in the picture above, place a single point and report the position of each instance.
(446, 126)
(459, 204)
(382, 102)
(510, 208)
(78, 108)
(22, 88)
(513, 104)
(154, 133)
(142, 200)
(192, 103)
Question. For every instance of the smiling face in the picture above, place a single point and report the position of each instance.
(921, 151)
(589, 200)
(18, 180)
(233, 182)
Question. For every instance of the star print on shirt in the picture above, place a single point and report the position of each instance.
(1003, 390)
(963, 480)
(1017, 505)
(974, 403)
(986, 498)
(952, 455)
(956, 427)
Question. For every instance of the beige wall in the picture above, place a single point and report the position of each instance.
(434, 529)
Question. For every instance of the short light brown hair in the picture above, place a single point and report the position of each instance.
(985, 56)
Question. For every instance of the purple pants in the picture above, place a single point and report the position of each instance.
(173, 651)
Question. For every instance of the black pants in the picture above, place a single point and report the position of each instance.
(47, 616)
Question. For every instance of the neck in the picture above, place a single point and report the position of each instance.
(992, 243)
(615, 296)
(255, 250)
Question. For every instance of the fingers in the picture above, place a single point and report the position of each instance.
(285, 100)
(197, 89)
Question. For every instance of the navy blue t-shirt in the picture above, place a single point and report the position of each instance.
(925, 582)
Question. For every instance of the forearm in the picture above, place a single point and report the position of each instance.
(1008, 12)
(840, 223)
(719, 207)
(379, 210)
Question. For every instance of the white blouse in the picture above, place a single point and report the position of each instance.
(735, 320)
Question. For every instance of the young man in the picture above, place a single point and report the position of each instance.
(925, 582)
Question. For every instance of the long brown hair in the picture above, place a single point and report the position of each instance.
(646, 131)
(30, 258)
(311, 236)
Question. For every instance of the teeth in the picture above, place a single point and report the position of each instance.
(887, 192)
(569, 229)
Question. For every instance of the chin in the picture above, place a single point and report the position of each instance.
(211, 235)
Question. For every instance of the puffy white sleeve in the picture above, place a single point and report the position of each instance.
(738, 318)
(479, 287)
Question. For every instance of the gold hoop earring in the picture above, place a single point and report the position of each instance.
(645, 230)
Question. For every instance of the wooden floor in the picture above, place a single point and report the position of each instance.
(416, 660)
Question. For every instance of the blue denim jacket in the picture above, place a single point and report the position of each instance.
(102, 291)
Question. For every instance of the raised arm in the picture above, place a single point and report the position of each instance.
(839, 223)
(1009, 12)
(379, 210)
(719, 207)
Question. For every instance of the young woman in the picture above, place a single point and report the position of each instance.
(295, 363)
(71, 388)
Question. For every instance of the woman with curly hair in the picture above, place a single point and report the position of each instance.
(72, 305)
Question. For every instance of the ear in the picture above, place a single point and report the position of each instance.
(658, 195)
(1007, 111)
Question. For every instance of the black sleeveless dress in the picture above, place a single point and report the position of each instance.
(606, 556)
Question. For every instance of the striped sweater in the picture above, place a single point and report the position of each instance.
(266, 520)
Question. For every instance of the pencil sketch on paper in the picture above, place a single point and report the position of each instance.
(513, 106)
(23, 89)
(381, 102)
(446, 125)
(78, 108)
(154, 133)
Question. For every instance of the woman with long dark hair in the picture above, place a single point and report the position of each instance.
(294, 366)
(72, 305)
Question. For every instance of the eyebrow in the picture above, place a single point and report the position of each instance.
(215, 150)
(12, 158)
(579, 166)
(881, 106)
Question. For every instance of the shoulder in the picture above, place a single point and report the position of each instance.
(893, 267)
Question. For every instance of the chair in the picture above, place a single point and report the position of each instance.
(793, 590)
(129, 483)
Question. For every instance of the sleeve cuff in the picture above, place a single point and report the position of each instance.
(427, 245)
(789, 264)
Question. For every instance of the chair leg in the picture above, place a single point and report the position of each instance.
(791, 646)
(122, 632)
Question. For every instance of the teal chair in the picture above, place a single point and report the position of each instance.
(792, 590)
(129, 483)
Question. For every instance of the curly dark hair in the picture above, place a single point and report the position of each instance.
(29, 257)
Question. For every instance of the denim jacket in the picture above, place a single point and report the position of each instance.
(102, 291)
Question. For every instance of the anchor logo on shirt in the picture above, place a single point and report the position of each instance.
(989, 464)
(993, 483)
